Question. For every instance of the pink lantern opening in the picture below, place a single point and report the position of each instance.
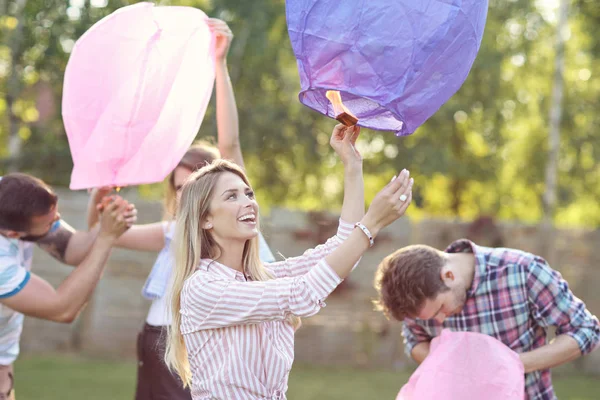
(467, 365)
(135, 92)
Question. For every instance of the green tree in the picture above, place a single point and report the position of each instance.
(483, 152)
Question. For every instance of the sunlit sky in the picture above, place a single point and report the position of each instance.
(548, 9)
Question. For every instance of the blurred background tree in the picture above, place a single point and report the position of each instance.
(484, 153)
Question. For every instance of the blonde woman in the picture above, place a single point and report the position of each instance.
(154, 380)
(234, 318)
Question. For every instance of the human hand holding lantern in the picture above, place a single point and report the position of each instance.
(223, 38)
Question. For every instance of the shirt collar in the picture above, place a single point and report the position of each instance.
(208, 265)
(466, 246)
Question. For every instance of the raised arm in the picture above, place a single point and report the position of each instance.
(66, 244)
(70, 246)
(37, 298)
(387, 206)
(300, 265)
(146, 237)
(218, 303)
(221, 303)
(343, 141)
(228, 128)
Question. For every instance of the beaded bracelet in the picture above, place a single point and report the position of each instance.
(366, 232)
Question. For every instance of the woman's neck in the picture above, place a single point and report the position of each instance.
(232, 255)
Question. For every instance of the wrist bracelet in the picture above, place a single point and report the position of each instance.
(366, 232)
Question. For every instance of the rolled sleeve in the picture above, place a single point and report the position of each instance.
(16, 288)
(588, 339)
(209, 302)
(554, 304)
(322, 280)
(13, 275)
(413, 334)
(297, 266)
(304, 297)
(344, 230)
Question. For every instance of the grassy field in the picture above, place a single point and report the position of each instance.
(69, 378)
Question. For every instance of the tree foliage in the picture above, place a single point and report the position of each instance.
(484, 152)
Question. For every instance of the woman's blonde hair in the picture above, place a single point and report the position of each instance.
(192, 243)
(201, 153)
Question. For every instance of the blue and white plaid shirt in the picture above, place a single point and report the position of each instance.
(515, 297)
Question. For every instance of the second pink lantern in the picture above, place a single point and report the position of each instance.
(467, 365)
(136, 89)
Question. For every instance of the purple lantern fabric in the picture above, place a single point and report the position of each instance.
(395, 63)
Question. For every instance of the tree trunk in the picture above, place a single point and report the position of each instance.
(555, 117)
(549, 201)
(458, 184)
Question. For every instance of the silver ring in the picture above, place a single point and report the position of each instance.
(403, 197)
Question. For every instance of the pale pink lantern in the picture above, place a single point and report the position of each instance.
(467, 365)
(135, 92)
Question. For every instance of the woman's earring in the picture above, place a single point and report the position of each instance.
(208, 226)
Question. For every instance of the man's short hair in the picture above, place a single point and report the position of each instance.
(407, 278)
(23, 197)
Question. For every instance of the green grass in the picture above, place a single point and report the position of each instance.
(71, 378)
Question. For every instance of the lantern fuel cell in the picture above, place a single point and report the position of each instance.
(340, 111)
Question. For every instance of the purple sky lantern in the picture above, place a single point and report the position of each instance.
(394, 63)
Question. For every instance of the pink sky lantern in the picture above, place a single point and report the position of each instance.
(135, 92)
(467, 365)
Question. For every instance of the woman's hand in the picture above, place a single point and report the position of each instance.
(95, 204)
(390, 203)
(343, 141)
(223, 38)
(97, 194)
(117, 216)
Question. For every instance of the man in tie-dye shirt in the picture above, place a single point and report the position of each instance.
(509, 294)
(29, 214)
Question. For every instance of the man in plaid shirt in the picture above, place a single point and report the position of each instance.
(509, 294)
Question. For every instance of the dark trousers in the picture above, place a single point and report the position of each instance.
(154, 380)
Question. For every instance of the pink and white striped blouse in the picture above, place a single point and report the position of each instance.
(238, 342)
